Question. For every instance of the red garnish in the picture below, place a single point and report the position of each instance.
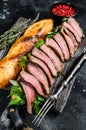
(63, 10)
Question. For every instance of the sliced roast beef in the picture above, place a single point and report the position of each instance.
(44, 67)
(30, 96)
(71, 36)
(61, 42)
(51, 43)
(67, 25)
(40, 75)
(69, 43)
(41, 55)
(55, 59)
(75, 26)
(30, 79)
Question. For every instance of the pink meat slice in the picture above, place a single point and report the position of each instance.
(75, 26)
(67, 25)
(30, 96)
(30, 79)
(39, 74)
(61, 42)
(71, 36)
(44, 67)
(51, 43)
(69, 43)
(41, 55)
(54, 58)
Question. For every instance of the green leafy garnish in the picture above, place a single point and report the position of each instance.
(50, 34)
(23, 61)
(13, 82)
(55, 31)
(38, 102)
(64, 19)
(39, 43)
(17, 94)
(29, 54)
(17, 100)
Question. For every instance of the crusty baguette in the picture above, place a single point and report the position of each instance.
(9, 65)
(44, 26)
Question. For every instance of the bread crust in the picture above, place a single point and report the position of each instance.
(9, 65)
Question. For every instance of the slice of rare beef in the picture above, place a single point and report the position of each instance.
(75, 26)
(52, 44)
(54, 58)
(44, 67)
(30, 79)
(37, 72)
(69, 42)
(30, 96)
(41, 55)
(69, 27)
(71, 36)
(61, 42)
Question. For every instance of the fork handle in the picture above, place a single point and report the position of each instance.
(75, 70)
(65, 83)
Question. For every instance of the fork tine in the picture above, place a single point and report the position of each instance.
(45, 113)
(42, 112)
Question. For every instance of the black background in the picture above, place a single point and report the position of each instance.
(74, 114)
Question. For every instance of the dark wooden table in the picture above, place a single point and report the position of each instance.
(74, 115)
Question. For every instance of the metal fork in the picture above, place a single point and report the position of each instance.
(51, 100)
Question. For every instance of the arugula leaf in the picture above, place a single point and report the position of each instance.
(38, 102)
(16, 90)
(13, 82)
(17, 94)
(50, 34)
(40, 98)
(64, 19)
(23, 61)
(29, 54)
(55, 31)
(39, 43)
(17, 100)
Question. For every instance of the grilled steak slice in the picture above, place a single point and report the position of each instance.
(75, 26)
(30, 96)
(61, 42)
(69, 42)
(71, 36)
(44, 67)
(51, 43)
(69, 27)
(40, 75)
(30, 79)
(55, 59)
(39, 54)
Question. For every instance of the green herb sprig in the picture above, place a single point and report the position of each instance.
(9, 37)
